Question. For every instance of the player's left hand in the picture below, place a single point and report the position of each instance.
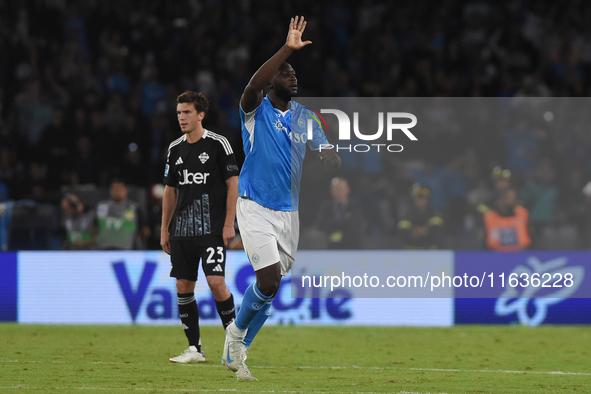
(228, 234)
(330, 159)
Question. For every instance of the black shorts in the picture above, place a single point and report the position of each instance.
(186, 254)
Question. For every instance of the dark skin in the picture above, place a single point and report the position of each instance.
(279, 78)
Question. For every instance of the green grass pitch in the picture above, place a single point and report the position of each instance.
(293, 359)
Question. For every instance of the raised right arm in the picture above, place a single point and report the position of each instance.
(253, 93)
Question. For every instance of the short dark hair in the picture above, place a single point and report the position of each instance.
(200, 102)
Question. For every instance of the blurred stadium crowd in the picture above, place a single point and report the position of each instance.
(88, 89)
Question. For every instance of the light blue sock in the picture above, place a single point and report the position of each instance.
(257, 322)
(252, 303)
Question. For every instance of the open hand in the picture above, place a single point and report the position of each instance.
(294, 37)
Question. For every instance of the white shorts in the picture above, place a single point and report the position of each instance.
(268, 236)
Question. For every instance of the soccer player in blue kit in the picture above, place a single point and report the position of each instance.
(275, 135)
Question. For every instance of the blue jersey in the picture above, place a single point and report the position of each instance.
(275, 146)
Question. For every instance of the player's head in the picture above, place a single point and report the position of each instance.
(191, 108)
(340, 190)
(118, 190)
(284, 84)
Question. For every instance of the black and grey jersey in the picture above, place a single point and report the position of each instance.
(199, 172)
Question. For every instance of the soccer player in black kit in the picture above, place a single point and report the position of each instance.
(198, 211)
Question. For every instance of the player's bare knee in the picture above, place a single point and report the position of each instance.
(217, 285)
(184, 286)
(269, 279)
(269, 286)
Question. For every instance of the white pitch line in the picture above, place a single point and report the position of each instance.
(499, 371)
(323, 367)
(210, 391)
(65, 362)
(404, 369)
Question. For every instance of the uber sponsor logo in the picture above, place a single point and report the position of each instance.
(189, 178)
